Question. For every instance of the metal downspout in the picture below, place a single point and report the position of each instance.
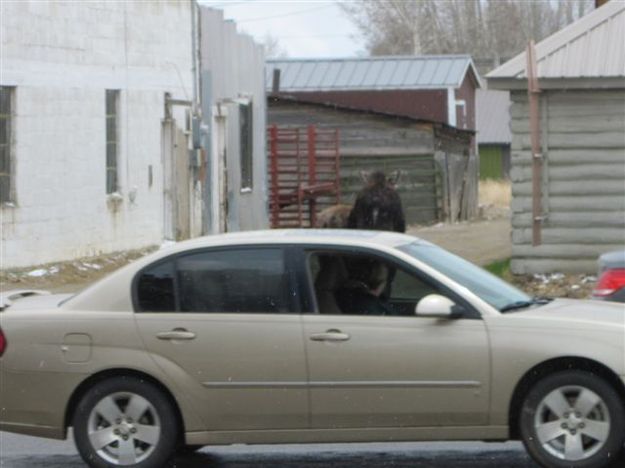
(533, 92)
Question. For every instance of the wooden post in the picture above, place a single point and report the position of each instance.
(300, 195)
(337, 162)
(275, 189)
(312, 173)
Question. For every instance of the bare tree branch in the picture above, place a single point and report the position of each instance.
(273, 48)
(490, 30)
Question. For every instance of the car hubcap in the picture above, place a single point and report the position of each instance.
(572, 423)
(124, 428)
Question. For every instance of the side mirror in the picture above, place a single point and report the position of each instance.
(437, 306)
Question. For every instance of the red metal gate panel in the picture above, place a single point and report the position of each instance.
(304, 174)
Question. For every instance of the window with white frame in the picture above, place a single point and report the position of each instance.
(246, 135)
(112, 140)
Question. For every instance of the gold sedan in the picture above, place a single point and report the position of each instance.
(311, 336)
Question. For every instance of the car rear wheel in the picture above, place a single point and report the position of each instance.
(573, 419)
(125, 421)
(188, 449)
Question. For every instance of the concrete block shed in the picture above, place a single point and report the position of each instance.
(581, 73)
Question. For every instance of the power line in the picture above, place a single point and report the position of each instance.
(293, 13)
(306, 36)
(225, 4)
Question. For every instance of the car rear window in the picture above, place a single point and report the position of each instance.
(244, 280)
(155, 288)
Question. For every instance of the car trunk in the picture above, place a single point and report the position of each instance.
(30, 299)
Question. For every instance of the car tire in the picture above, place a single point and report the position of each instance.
(125, 421)
(188, 449)
(573, 419)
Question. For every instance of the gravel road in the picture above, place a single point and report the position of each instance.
(481, 242)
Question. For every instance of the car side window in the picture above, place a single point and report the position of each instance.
(156, 288)
(408, 287)
(361, 284)
(234, 280)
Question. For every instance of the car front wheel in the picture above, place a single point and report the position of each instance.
(125, 421)
(573, 419)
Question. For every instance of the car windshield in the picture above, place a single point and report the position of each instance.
(487, 286)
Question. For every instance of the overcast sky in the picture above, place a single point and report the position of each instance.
(304, 28)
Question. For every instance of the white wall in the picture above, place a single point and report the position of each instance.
(61, 57)
(236, 67)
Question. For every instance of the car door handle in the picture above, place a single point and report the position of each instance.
(176, 334)
(330, 335)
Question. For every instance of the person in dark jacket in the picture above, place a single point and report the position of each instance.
(360, 295)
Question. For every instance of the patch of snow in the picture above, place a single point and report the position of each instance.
(548, 278)
(38, 273)
(79, 266)
(169, 243)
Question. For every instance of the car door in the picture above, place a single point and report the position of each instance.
(225, 325)
(395, 370)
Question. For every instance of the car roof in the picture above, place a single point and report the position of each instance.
(614, 259)
(104, 295)
(300, 236)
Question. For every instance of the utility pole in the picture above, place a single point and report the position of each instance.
(416, 45)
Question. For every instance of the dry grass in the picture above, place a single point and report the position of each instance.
(495, 193)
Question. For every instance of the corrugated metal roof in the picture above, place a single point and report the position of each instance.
(493, 116)
(591, 47)
(371, 73)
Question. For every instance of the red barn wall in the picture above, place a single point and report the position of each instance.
(467, 93)
(419, 104)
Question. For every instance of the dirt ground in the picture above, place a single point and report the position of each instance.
(481, 242)
(555, 285)
(68, 277)
(487, 241)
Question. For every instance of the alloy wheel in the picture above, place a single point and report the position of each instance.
(124, 428)
(572, 423)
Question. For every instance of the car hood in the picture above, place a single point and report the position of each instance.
(578, 311)
(30, 299)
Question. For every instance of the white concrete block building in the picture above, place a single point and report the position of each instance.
(82, 131)
(234, 107)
